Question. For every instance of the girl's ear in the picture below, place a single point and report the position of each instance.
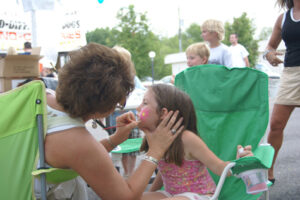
(164, 113)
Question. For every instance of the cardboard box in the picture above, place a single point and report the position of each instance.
(20, 66)
(9, 83)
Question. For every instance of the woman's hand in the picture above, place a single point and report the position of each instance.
(125, 123)
(243, 151)
(273, 59)
(162, 137)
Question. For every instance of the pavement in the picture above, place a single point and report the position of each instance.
(287, 170)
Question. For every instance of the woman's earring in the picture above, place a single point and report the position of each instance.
(94, 124)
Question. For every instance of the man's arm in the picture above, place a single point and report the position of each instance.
(246, 61)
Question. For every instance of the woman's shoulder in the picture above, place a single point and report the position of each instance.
(61, 148)
(280, 19)
(51, 100)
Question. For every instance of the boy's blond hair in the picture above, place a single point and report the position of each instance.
(199, 48)
(213, 25)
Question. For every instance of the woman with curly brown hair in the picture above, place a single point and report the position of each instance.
(95, 82)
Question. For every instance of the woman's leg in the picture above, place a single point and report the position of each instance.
(279, 119)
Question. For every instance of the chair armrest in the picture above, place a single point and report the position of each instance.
(56, 175)
(262, 159)
(222, 179)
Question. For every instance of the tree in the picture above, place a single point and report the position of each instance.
(192, 35)
(265, 33)
(134, 35)
(103, 36)
(245, 30)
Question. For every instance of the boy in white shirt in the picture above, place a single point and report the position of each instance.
(213, 32)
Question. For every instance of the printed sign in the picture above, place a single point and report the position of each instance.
(14, 30)
(72, 36)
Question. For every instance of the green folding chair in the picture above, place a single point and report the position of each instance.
(22, 132)
(232, 108)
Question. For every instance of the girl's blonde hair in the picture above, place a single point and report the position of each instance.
(213, 25)
(285, 4)
(124, 53)
(200, 48)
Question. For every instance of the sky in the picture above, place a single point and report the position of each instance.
(163, 15)
(164, 18)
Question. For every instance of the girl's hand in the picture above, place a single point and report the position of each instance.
(243, 152)
(162, 137)
(125, 123)
(273, 59)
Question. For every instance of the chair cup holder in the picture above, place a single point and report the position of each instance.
(255, 180)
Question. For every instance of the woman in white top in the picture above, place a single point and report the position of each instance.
(92, 85)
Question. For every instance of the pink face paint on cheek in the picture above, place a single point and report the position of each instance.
(144, 114)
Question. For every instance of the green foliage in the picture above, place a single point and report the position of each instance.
(265, 33)
(192, 35)
(245, 30)
(133, 33)
(103, 36)
(135, 36)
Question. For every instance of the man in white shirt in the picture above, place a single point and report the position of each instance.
(238, 52)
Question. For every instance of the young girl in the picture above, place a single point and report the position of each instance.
(182, 170)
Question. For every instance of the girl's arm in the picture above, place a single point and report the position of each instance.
(157, 183)
(197, 149)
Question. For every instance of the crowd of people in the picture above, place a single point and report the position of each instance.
(97, 80)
